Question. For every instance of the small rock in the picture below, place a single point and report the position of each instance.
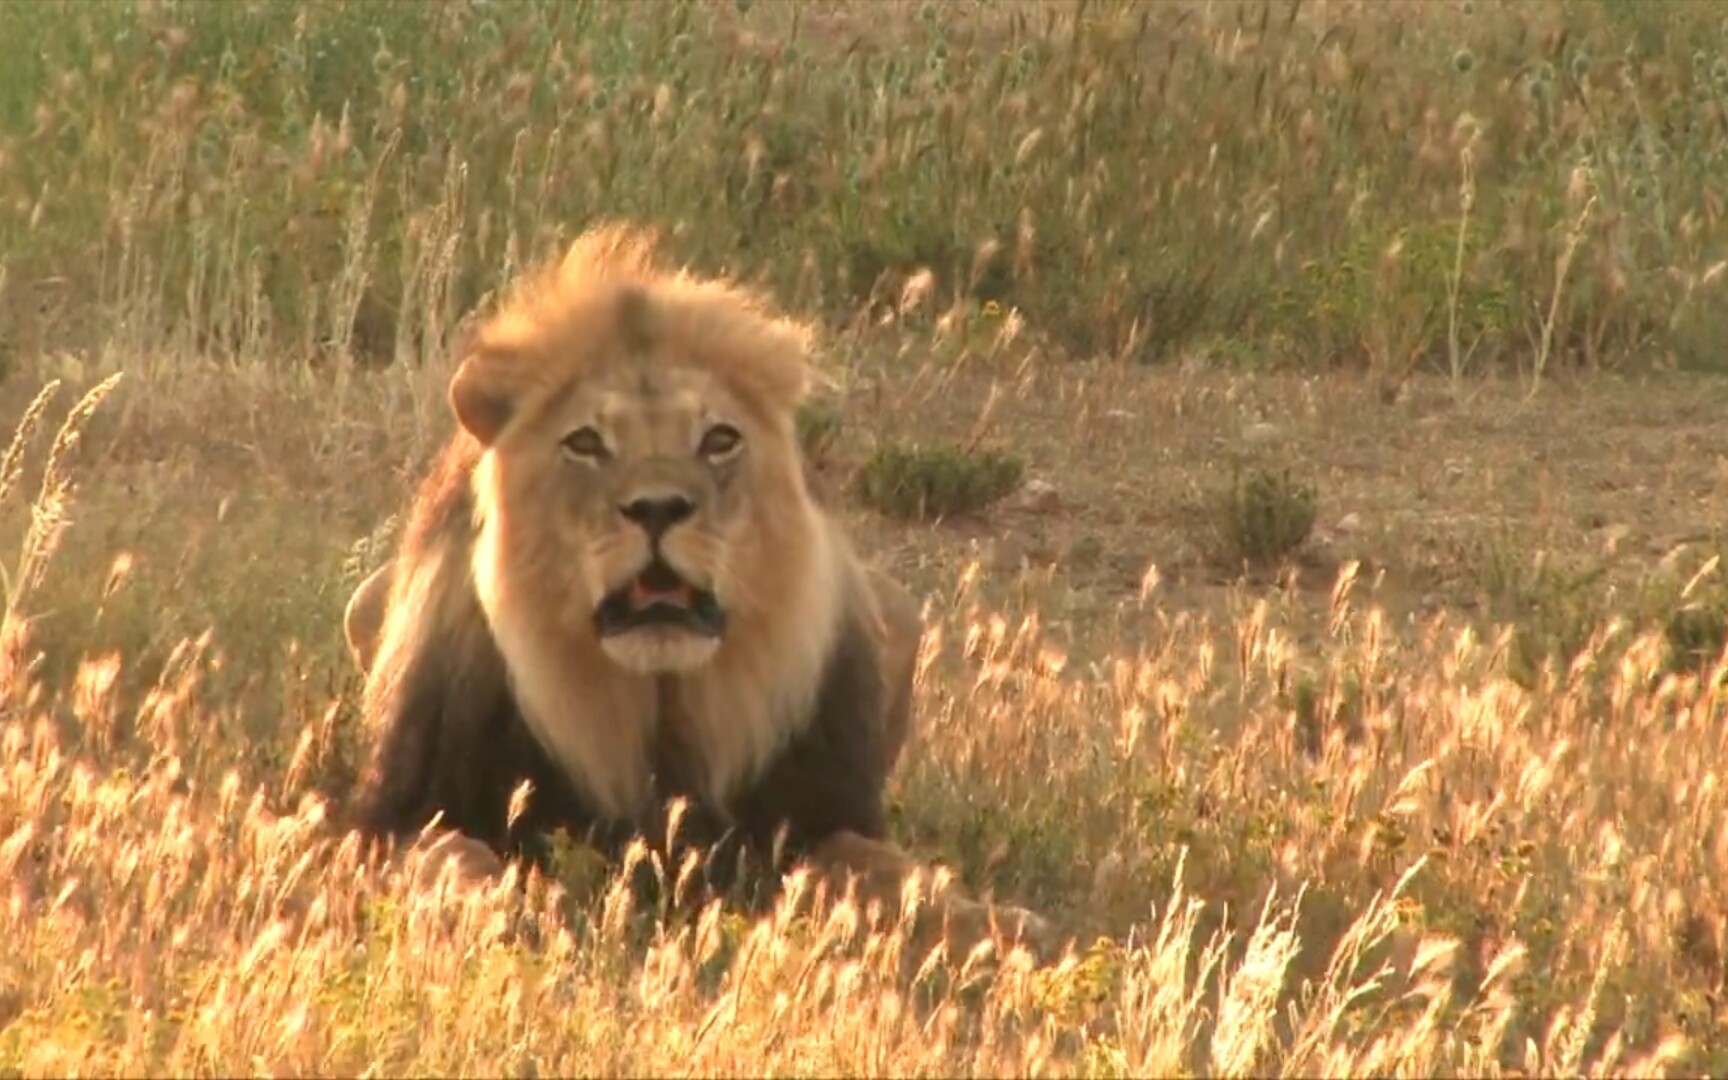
(1040, 496)
(1348, 525)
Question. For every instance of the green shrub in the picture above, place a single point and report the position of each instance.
(912, 482)
(1552, 607)
(1262, 518)
(1696, 634)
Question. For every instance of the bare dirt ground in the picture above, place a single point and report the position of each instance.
(1418, 490)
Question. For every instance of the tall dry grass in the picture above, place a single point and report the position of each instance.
(1467, 877)
(1377, 183)
(1377, 852)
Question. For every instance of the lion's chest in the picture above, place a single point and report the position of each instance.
(628, 744)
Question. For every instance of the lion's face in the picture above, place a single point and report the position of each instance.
(641, 488)
(643, 473)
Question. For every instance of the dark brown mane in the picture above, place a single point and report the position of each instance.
(445, 499)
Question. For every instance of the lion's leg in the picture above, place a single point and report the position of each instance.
(363, 618)
(879, 868)
(881, 871)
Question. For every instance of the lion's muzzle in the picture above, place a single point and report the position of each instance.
(665, 616)
(659, 597)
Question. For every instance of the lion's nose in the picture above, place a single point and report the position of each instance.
(658, 513)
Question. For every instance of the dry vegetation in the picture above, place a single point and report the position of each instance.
(1346, 674)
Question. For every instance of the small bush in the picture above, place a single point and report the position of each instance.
(1695, 626)
(911, 482)
(1263, 518)
(1553, 608)
(1695, 635)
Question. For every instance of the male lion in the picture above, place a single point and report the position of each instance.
(616, 585)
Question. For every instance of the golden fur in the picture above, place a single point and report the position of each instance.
(608, 410)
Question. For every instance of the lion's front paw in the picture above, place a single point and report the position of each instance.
(1020, 924)
(1007, 926)
(467, 859)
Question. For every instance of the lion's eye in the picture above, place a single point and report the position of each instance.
(720, 440)
(585, 443)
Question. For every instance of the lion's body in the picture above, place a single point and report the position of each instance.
(615, 585)
(450, 668)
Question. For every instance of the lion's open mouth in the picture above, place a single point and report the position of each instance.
(658, 596)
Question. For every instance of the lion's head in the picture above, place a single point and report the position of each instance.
(641, 486)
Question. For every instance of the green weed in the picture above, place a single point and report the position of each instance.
(939, 482)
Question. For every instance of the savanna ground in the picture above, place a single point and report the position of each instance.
(1420, 305)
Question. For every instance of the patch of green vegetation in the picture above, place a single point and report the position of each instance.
(1323, 707)
(1552, 607)
(938, 482)
(1694, 613)
(1696, 633)
(818, 426)
(1262, 517)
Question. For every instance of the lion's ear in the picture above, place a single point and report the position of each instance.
(487, 390)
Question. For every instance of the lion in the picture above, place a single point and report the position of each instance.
(615, 585)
